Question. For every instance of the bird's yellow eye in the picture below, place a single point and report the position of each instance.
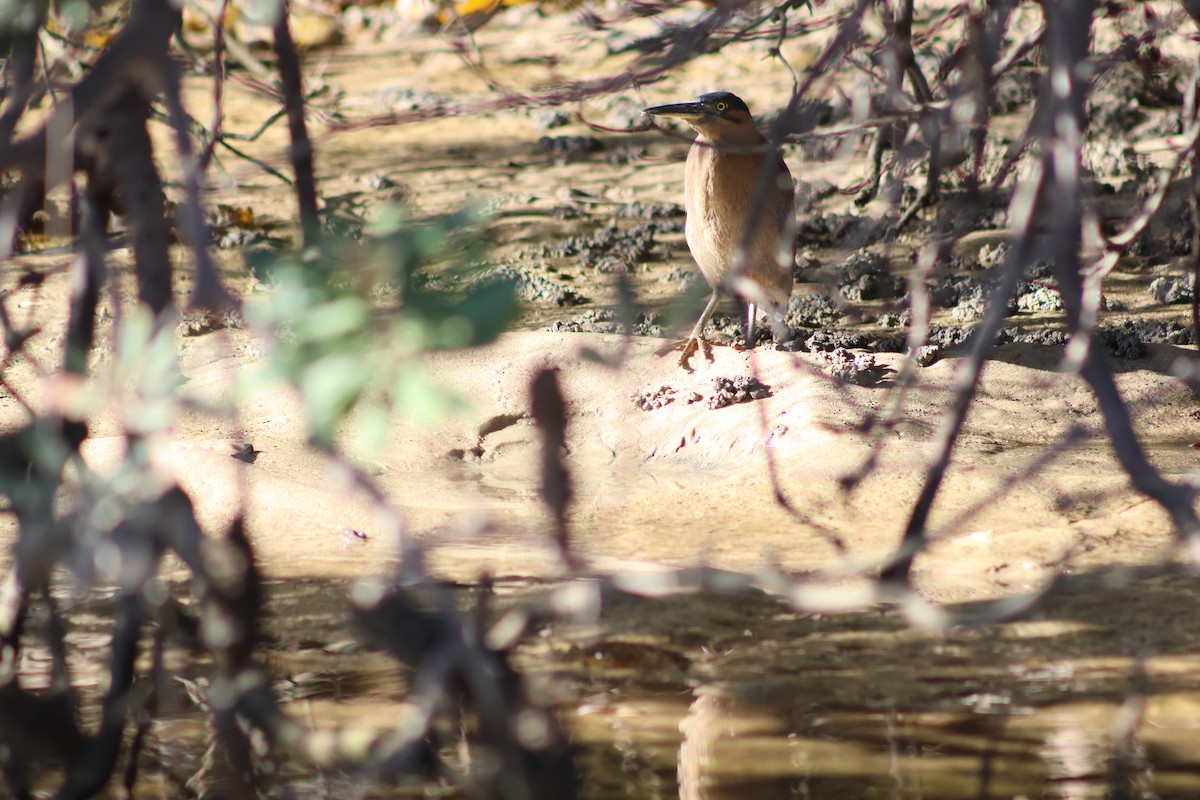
(722, 106)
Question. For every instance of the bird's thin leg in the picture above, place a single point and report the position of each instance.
(696, 339)
(702, 323)
(751, 324)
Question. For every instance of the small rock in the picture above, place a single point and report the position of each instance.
(198, 323)
(971, 308)
(566, 213)
(891, 344)
(1014, 88)
(610, 245)
(602, 320)
(948, 336)
(828, 229)
(808, 194)
(651, 211)
(1040, 270)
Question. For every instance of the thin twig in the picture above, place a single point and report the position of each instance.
(301, 150)
(218, 70)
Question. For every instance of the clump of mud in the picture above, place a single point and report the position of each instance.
(825, 341)
(1123, 95)
(857, 368)
(1039, 297)
(835, 230)
(807, 194)
(730, 391)
(865, 276)
(1172, 290)
(1129, 337)
(813, 311)
(199, 323)
(533, 287)
(600, 320)
(611, 248)
(567, 149)
(651, 212)
(653, 399)
(726, 392)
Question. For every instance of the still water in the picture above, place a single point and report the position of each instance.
(736, 696)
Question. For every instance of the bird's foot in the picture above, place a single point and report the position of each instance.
(689, 347)
(696, 342)
(742, 346)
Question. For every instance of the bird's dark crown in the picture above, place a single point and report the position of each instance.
(732, 101)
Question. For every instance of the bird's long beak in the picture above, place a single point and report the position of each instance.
(679, 110)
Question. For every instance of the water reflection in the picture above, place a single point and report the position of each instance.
(712, 697)
(860, 706)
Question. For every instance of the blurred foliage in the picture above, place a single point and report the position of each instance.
(22, 15)
(263, 12)
(347, 323)
(60, 16)
(74, 15)
(141, 380)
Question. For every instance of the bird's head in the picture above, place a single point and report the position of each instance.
(717, 116)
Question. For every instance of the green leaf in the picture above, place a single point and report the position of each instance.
(372, 426)
(332, 320)
(419, 399)
(74, 15)
(488, 310)
(263, 12)
(331, 386)
(455, 332)
(133, 335)
(389, 219)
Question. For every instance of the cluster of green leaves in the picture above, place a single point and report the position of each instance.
(348, 321)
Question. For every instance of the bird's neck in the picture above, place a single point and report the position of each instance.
(745, 136)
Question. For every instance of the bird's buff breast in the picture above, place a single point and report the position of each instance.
(714, 233)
